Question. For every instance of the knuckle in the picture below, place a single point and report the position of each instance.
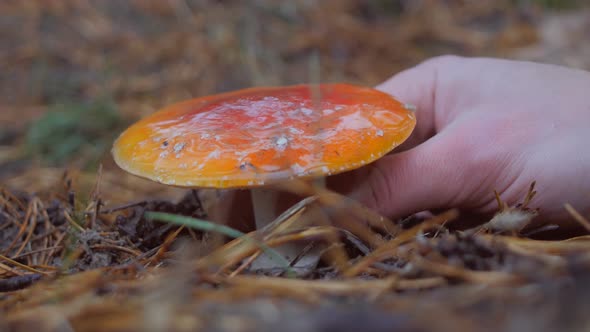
(443, 60)
(380, 186)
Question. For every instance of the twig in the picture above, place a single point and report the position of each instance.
(115, 247)
(28, 253)
(390, 246)
(165, 245)
(72, 222)
(33, 224)
(22, 266)
(123, 207)
(577, 216)
(22, 228)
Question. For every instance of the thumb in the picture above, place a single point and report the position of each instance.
(421, 86)
(417, 178)
(411, 181)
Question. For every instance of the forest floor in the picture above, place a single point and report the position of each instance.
(79, 253)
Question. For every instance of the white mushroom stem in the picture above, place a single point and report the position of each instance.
(264, 203)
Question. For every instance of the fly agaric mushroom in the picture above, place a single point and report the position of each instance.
(259, 136)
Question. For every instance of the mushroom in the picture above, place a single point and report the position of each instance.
(255, 137)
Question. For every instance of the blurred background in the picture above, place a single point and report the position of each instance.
(74, 73)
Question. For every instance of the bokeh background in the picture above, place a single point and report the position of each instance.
(74, 73)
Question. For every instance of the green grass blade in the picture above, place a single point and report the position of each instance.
(208, 226)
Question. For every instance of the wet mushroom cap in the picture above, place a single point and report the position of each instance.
(256, 136)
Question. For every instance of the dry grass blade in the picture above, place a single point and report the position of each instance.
(22, 227)
(164, 247)
(496, 278)
(287, 219)
(577, 216)
(335, 287)
(306, 213)
(239, 249)
(565, 247)
(209, 226)
(129, 251)
(72, 222)
(388, 249)
(340, 203)
(22, 266)
(10, 270)
(33, 217)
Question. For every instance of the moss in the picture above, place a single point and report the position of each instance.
(71, 129)
(553, 4)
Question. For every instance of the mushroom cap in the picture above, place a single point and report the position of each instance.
(257, 136)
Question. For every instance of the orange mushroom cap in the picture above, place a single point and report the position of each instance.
(255, 136)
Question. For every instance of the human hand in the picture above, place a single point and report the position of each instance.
(485, 125)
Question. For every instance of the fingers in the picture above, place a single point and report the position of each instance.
(422, 176)
(415, 86)
(420, 87)
(408, 182)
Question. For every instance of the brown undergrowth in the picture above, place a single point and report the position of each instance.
(67, 265)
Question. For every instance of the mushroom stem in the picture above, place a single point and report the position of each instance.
(264, 202)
